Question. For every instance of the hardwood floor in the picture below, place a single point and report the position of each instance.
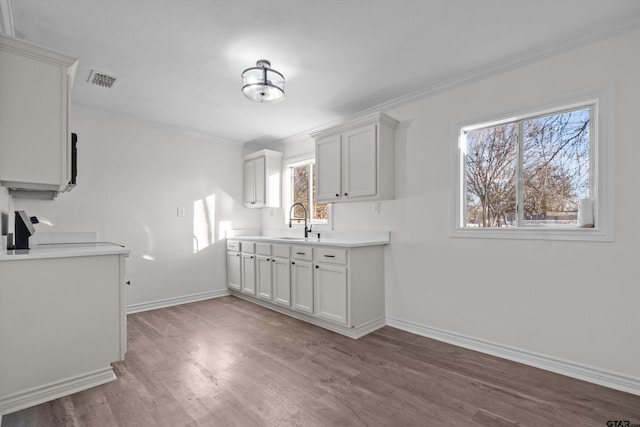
(227, 362)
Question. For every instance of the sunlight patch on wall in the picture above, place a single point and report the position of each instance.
(204, 219)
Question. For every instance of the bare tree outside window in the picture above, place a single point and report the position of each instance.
(303, 191)
(530, 172)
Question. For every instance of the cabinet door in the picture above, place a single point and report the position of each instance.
(359, 162)
(248, 274)
(35, 143)
(331, 292)
(233, 271)
(260, 183)
(281, 281)
(263, 277)
(328, 168)
(249, 183)
(302, 286)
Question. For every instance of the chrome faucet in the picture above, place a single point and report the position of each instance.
(306, 230)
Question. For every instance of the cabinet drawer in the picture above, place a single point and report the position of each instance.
(332, 255)
(263, 248)
(281, 251)
(249, 247)
(301, 252)
(233, 245)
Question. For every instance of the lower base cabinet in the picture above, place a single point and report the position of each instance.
(62, 324)
(264, 281)
(234, 270)
(337, 288)
(249, 274)
(281, 281)
(302, 286)
(331, 292)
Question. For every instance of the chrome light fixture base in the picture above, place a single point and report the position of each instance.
(262, 83)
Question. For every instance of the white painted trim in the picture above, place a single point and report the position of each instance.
(563, 367)
(38, 395)
(153, 305)
(6, 19)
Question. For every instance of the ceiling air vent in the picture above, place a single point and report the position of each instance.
(102, 79)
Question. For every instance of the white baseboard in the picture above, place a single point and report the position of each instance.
(570, 369)
(38, 395)
(146, 306)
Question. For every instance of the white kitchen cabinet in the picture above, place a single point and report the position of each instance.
(302, 278)
(330, 284)
(281, 274)
(356, 161)
(249, 273)
(329, 158)
(338, 288)
(262, 172)
(302, 285)
(331, 292)
(35, 139)
(281, 270)
(62, 323)
(264, 284)
(234, 265)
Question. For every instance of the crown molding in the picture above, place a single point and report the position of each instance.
(509, 64)
(478, 74)
(6, 19)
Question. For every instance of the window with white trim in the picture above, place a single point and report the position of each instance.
(535, 173)
(299, 183)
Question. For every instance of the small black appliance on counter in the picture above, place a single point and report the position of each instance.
(24, 229)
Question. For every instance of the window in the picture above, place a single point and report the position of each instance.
(529, 176)
(300, 188)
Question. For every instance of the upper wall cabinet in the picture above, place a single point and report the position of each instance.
(262, 179)
(356, 161)
(35, 140)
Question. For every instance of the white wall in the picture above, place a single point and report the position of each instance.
(5, 208)
(574, 302)
(132, 177)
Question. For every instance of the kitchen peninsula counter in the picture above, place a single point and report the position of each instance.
(62, 320)
(65, 250)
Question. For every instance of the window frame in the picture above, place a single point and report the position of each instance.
(601, 182)
(287, 164)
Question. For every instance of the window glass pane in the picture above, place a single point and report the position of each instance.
(320, 210)
(491, 176)
(303, 192)
(556, 162)
(300, 189)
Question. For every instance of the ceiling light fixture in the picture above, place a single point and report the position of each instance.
(262, 83)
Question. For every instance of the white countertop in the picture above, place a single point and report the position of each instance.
(349, 242)
(64, 250)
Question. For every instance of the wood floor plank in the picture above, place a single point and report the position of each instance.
(228, 362)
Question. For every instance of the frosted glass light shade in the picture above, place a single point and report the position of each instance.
(262, 83)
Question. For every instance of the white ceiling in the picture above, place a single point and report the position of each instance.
(179, 62)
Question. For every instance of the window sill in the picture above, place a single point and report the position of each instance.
(535, 233)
